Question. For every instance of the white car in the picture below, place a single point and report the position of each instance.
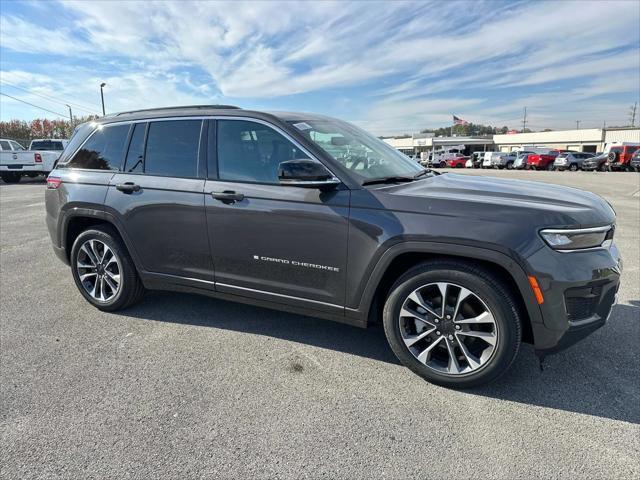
(39, 159)
(488, 157)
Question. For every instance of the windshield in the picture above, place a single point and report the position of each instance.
(47, 145)
(364, 155)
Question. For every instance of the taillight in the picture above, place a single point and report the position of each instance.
(37, 157)
(53, 182)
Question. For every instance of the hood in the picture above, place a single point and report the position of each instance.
(499, 199)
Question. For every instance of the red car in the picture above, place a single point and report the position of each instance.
(458, 162)
(543, 161)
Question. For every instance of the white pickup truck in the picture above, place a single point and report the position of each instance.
(16, 162)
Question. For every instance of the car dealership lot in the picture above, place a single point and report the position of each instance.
(187, 386)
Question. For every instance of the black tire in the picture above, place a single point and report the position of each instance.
(483, 283)
(131, 289)
(509, 165)
(603, 167)
(550, 167)
(10, 177)
(573, 167)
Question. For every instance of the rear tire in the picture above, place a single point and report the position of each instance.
(550, 167)
(10, 177)
(428, 347)
(573, 167)
(91, 247)
(509, 165)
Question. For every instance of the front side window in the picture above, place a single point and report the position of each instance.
(251, 152)
(364, 155)
(172, 148)
(103, 150)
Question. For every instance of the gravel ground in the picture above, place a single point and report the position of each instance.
(183, 386)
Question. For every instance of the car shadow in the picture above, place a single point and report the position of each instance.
(597, 377)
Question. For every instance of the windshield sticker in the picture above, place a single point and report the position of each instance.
(302, 126)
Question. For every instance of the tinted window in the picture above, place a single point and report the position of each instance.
(252, 152)
(16, 145)
(4, 145)
(135, 156)
(47, 145)
(103, 150)
(172, 148)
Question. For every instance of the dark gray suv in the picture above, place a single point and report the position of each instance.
(312, 215)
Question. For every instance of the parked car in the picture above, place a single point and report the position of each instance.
(503, 160)
(7, 145)
(477, 158)
(311, 215)
(635, 161)
(469, 163)
(619, 156)
(597, 162)
(39, 159)
(543, 161)
(487, 161)
(457, 162)
(570, 161)
(520, 162)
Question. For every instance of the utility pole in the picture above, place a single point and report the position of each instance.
(102, 97)
(633, 114)
(524, 120)
(577, 124)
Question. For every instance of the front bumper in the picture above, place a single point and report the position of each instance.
(579, 289)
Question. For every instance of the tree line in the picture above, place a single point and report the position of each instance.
(23, 131)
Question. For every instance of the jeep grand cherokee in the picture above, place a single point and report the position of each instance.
(309, 214)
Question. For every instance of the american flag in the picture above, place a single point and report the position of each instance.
(459, 121)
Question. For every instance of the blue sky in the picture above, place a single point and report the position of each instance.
(390, 67)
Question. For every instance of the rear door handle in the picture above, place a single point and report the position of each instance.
(128, 187)
(228, 196)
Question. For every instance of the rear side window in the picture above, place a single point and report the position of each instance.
(135, 156)
(251, 152)
(172, 148)
(103, 150)
(5, 145)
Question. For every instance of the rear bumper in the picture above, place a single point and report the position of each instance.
(579, 289)
(17, 167)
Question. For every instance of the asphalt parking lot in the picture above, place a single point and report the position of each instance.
(183, 386)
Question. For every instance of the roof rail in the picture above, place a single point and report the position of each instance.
(183, 107)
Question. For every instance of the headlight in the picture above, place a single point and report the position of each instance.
(578, 239)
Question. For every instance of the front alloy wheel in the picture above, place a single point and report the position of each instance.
(448, 328)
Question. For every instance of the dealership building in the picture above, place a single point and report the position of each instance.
(584, 140)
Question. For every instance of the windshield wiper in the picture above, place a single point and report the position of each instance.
(391, 179)
(425, 172)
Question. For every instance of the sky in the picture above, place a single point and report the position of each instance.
(389, 67)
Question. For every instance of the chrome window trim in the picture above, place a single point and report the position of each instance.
(99, 126)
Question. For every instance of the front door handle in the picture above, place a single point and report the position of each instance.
(228, 196)
(128, 187)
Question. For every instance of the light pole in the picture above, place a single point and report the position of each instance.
(70, 114)
(102, 96)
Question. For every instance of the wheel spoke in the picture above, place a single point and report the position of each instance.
(417, 298)
(443, 291)
(484, 317)
(423, 356)
(453, 366)
(113, 286)
(462, 295)
(92, 258)
(104, 253)
(488, 337)
(471, 360)
(405, 312)
(113, 276)
(412, 339)
(84, 276)
(94, 250)
(85, 265)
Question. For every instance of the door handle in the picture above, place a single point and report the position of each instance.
(228, 196)
(128, 187)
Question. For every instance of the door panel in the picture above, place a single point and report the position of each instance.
(279, 242)
(166, 221)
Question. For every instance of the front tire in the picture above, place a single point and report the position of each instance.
(470, 341)
(573, 167)
(104, 271)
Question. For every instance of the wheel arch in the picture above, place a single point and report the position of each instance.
(399, 258)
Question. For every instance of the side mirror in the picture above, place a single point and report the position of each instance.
(306, 173)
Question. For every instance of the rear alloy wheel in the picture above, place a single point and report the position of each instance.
(573, 167)
(509, 165)
(103, 270)
(452, 323)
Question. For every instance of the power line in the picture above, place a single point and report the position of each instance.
(50, 98)
(33, 105)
